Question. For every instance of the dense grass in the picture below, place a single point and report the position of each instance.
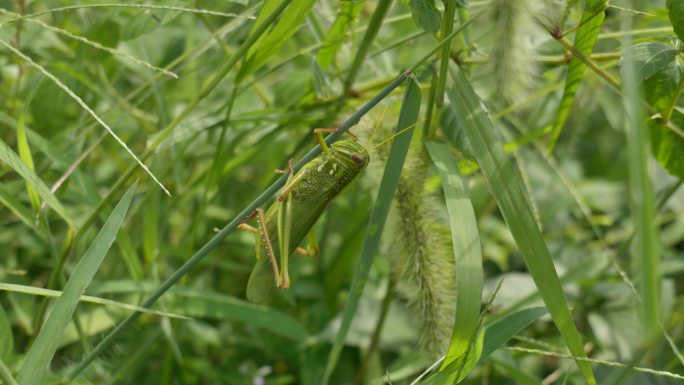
(520, 222)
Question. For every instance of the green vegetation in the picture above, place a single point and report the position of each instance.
(520, 221)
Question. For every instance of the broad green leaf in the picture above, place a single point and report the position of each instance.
(667, 146)
(11, 158)
(47, 341)
(675, 10)
(390, 179)
(651, 57)
(660, 87)
(467, 254)
(349, 11)
(270, 43)
(585, 38)
(426, 15)
(505, 183)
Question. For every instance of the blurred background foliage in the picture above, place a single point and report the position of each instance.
(229, 131)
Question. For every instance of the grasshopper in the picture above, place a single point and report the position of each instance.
(305, 197)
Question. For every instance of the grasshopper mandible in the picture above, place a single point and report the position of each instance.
(305, 197)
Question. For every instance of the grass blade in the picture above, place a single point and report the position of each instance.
(467, 253)
(84, 298)
(13, 160)
(645, 255)
(6, 374)
(505, 184)
(46, 343)
(586, 36)
(395, 161)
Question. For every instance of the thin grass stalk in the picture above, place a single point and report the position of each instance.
(229, 228)
(645, 255)
(367, 41)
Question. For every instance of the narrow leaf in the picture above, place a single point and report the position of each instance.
(585, 38)
(645, 253)
(504, 182)
(46, 343)
(10, 157)
(349, 11)
(467, 253)
(390, 178)
(499, 332)
(270, 43)
(25, 154)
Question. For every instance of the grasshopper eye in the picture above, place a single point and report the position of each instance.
(358, 159)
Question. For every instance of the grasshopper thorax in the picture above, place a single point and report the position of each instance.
(350, 153)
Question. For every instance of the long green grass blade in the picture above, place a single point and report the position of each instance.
(645, 254)
(46, 343)
(585, 38)
(467, 253)
(390, 178)
(206, 304)
(24, 151)
(13, 160)
(505, 184)
(500, 331)
(84, 298)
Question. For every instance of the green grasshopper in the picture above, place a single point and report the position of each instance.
(305, 197)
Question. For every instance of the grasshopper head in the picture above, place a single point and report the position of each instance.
(351, 154)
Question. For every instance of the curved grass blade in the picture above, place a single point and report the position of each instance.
(46, 343)
(467, 253)
(585, 38)
(13, 160)
(390, 178)
(500, 331)
(505, 184)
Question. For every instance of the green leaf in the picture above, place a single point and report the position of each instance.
(660, 87)
(675, 10)
(467, 253)
(500, 331)
(667, 146)
(651, 57)
(270, 43)
(47, 341)
(13, 160)
(586, 36)
(6, 374)
(395, 161)
(206, 304)
(505, 183)
(426, 15)
(457, 370)
(349, 11)
(84, 298)
(25, 154)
